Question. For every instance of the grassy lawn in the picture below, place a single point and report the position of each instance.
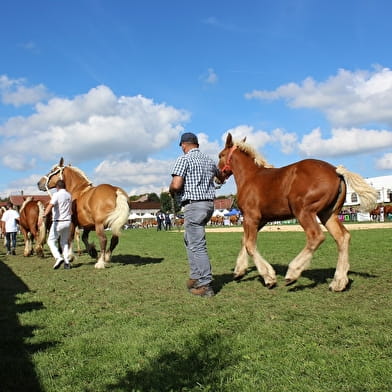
(134, 327)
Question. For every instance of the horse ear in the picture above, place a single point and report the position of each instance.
(229, 141)
(244, 140)
(61, 163)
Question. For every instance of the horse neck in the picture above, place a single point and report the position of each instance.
(75, 182)
(243, 168)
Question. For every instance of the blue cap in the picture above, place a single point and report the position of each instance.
(189, 137)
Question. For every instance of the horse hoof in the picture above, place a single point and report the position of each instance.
(270, 285)
(238, 277)
(289, 282)
(93, 253)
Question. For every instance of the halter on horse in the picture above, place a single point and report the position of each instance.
(305, 190)
(94, 207)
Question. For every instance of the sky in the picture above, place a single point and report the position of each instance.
(110, 86)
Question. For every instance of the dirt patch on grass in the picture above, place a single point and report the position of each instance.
(352, 226)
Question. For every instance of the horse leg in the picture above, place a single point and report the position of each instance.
(113, 243)
(242, 262)
(263, 267)
(342, 239)
(27, 242)
(39, 237)
(99, 228)
(90, 248)
(314, 238)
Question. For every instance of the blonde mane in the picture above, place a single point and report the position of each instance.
(249, 150)
(80, 172)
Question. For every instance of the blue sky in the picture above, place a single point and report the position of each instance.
(111, 85)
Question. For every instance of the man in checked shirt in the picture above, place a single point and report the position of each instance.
(193, 185)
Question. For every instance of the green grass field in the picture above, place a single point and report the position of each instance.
(134, 327)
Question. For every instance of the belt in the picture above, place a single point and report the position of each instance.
(186, 202)
(62, 220)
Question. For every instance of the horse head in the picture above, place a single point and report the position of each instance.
(225, 156)
(49, 180)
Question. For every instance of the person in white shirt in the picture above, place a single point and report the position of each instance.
(61, 206)
(9, 221)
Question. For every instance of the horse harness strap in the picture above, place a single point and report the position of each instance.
(58, 169)
(227, 166)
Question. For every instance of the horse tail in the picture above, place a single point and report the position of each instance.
(367, 194)
(42, 227)
(119, 216)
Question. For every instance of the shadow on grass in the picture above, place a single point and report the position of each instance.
(220, 281)
(317, 277)
(136, 260)
(199, 364)
(17, 372)
(126, 260)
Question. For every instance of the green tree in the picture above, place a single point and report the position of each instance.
(153, 197)
(168, 203)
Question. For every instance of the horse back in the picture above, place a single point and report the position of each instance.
(280, 192)
(95, 204)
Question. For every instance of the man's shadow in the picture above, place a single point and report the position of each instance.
(17, 372)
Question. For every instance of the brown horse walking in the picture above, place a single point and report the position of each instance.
(29, 213)
(305, 190)
(94, 207)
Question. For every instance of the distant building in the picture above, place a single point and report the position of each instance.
(383, 186)
(143, 207)
(223, 204)
(17, 200)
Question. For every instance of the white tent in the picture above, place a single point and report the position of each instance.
(134, 216)
(218, 213)
(147, 215)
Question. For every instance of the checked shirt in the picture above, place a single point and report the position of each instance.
(198, 171)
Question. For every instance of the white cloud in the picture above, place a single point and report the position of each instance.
(344, 142)
(147, 176)
(210, 77)
(258, 138)
(348, 99)
(135, 177)
(93, 125)
(385, 162)
(14, 92)
(27, 184)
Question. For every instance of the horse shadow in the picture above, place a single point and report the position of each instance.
(316, 276)
(136, 260)
(201, 360)
(17, 372)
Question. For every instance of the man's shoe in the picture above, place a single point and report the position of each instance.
(67, 266)
(191, 283)
(58, 263)
(203, 291)
(8, 252)
(13, 252)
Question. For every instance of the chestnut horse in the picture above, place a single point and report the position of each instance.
(2, 235)
(94, 207)
(29, 213)
(305, 190)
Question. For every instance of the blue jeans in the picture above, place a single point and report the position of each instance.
(10, 240)
(196, 216)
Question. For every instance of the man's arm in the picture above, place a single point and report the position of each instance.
(176, 185)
